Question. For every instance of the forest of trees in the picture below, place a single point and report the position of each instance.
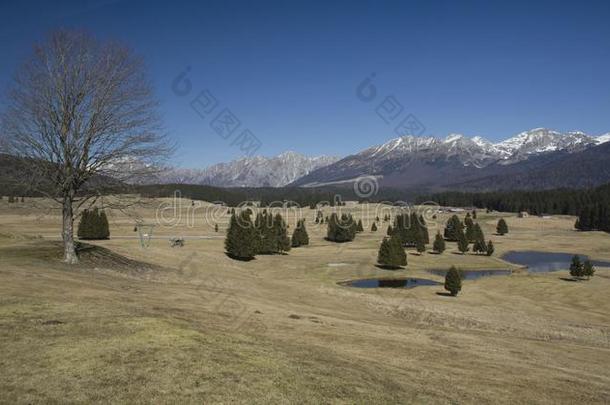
(592, 206)
(267, 234)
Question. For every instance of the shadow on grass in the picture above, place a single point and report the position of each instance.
(574, 280)
(445, 294)
(385, 267)
(241, 259)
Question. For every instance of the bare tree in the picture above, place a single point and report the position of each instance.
(81, 115)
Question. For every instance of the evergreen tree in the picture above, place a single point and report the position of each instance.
(282, 241)
(265, 233)
(490, 248)
(420, 245)
(22, 199)
(374, 227)
(390, 231)
(423, 229)
(453, 281)
(576, 267)
(439, 243)
(299, 235)
(241, 242)
(453, 228)
(216, 228)
(377, 219)
(462, 242)
(104, 229)
(470, 231)
(93, 225)
(502, 227)
(479, 240)
(588, 270)
(474, 214)
(341, 229)
(360, 228)
(391, 253)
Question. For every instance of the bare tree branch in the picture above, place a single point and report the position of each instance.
(81, 114)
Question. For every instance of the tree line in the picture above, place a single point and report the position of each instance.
(592, 206)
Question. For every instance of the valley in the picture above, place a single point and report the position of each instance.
(161, 324)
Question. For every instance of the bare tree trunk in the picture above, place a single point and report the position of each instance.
(68, 231)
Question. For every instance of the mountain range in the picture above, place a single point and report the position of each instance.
(257, 171)
(532, 159)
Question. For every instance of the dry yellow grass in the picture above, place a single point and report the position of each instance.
(196, 326)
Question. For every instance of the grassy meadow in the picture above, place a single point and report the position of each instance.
(175, 325)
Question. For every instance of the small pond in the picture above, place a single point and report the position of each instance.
(388, 283)
(540, 262)
(473, 274)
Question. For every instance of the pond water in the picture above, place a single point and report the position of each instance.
(473, 274)
(389, 283)
(540, 262)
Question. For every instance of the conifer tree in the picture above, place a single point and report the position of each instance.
(341, 229)
(241, 242)
(377, 219)
(439, 243)
(453, 228)
(462, 242)
(104, 229)
(474, 214)
(502, 227)
(470, 231)
(390, 231)
(420, 246)
(93, 225)
(299, 235)
(423, 228)
(479, 246)
(359, 228)
(490, 248)
(22, 199)
(216, 228)
(588, 270)
(391, 253)
(479, 240)
(265, 233)
(374, 227)
(282, 241)
(576, 267)
(453, 281)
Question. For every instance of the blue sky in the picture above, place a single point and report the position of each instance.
(289, 71)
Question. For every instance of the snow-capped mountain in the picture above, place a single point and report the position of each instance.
(542, 140)
(257, 171)
(410, 161)
(603, 138)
